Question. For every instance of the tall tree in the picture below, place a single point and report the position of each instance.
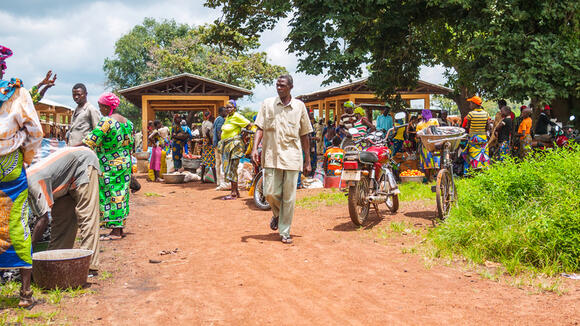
(154, 50)
(508, 48)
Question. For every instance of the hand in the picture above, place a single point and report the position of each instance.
(256, 157)
(307, 168)
(50, 82)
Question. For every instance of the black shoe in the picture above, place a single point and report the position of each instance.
(286, 239)
(274, 223)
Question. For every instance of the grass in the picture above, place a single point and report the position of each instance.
(327, 197)
(413, 191)
(12, 315)
(524, 215)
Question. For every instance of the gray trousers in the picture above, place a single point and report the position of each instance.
(280, 192)
(78, 210)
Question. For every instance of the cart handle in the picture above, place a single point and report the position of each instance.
(445, 139)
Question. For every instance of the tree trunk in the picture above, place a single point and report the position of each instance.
(461, 100)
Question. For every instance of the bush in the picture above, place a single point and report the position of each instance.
(524, 215)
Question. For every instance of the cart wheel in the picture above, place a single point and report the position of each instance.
(446, 193)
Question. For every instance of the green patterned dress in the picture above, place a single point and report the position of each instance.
(112, 142)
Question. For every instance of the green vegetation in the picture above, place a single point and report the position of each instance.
(411, 191)
(524, 215)
(500, 49)
(326, 197)
(158, 49)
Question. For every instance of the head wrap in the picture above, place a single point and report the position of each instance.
(360, 111)
(5, 53)
(523, 107)
(110, 100)
(475, 99)
(547, 108)
(426, 114)
(349, 104)
(233, 102)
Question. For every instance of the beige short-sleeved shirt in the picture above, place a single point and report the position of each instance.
(283, 126)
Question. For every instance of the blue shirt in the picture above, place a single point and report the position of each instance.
(217, 129)
(384, 123)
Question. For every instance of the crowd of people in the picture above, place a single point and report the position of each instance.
(87, 184)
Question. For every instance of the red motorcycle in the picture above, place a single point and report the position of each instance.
(370, 179)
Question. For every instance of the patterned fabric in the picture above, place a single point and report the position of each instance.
(15, 245)
(334, 158)
(177, 147)
(207, 154)
(35, 94)
(112, 142)
(232, 150)
(504, 150)
(20, 128)
(361, 129)
(476, 153)
(5, 53)
(427, 159)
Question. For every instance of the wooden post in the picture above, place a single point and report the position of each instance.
(427, 101)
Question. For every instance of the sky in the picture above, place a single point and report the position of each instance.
(72, 38)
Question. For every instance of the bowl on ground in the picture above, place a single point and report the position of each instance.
(142, 155)
(62, 268)
(174, 178)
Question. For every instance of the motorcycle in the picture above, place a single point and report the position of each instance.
(370, 178)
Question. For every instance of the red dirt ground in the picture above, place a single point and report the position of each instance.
(231, 269)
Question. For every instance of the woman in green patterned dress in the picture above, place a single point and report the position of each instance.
(112, 140)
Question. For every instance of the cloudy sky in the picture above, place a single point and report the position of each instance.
(72, 38)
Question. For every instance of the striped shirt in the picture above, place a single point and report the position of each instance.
(477, 121)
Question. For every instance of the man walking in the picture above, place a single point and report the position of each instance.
(284, 125)
(84, 119)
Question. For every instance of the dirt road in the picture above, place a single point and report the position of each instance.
(231, 269)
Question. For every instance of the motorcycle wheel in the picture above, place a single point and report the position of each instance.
(358, 203)
(259, 198)
(393, 200)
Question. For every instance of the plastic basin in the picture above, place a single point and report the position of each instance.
(62, 268)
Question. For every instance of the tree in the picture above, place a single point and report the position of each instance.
(155, 50)
(512, 49)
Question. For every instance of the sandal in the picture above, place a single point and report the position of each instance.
(286, 239)
(230, 197)
(27, 301)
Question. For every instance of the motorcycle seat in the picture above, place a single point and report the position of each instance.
(368, 157)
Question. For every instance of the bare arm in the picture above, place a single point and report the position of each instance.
(39, 228)
(257, 141)
(305, 141)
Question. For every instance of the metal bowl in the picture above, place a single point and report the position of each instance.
(191, 163)
(174, 178)
(432, 142)
(63, 268)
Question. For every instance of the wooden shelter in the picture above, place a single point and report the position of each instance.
(55, 118)
(183, 92)
(332, 99)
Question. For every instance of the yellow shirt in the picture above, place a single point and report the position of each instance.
(233, 125)
(400, 135)
(283, 125)
(425, 124)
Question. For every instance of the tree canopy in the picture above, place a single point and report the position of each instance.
(502, 49)
(154, 50)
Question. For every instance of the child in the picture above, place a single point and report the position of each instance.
(333, 158)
